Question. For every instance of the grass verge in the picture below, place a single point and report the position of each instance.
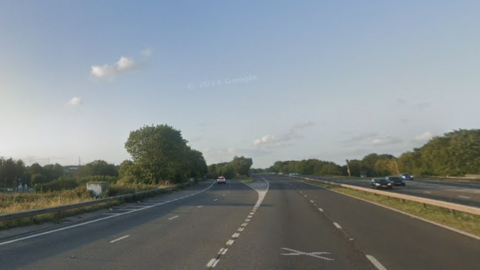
(461, 221)
(247, 179)
(56, 217)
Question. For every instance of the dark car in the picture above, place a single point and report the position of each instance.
(394, 180)
(407, 176)
(379, 183)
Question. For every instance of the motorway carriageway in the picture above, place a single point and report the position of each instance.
(275, 223)
(448, 191)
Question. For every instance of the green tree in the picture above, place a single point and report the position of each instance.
(38, 179)
(242, 165)
(159, 151)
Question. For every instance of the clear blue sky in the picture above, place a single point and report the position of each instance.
(332, 80)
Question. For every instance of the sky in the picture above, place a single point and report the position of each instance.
(270, 80)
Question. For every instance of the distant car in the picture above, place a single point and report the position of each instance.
(379, 183)
(221, 180)
(395, 181)
(407, 176)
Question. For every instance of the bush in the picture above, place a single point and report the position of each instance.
(97, 178)
(57, 185)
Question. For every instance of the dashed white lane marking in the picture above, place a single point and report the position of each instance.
(174, 217)
(337, 225)
(320, 209)
(241, 229)
(305, 196)
(230, 242)
(464, 197)
(311, 201)
(247, 220)
(375, 262)
(235, 235)
(250, 216)
(223, 251)
(200, 206)
(215, 263)
(252, 213)
(244, 224)
(428, 192)
(118, 239)
(97, 220)
(211, 262)
(215, 200)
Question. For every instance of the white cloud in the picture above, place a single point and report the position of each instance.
(124, 64)
(265, 140)
(385, 141)
(75, 101)
(147, 52)
(109, 72)
(424, 137)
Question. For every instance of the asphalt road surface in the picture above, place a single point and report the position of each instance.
(275, 223)
(449, 191)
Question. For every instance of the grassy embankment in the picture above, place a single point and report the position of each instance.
(20, 202)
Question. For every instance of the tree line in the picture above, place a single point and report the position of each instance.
(159, 153)
(455, 153)
(239, 166)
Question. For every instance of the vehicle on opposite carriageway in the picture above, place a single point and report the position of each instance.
(379, 183)
(395, 180)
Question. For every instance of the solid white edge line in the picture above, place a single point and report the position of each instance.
(375, 262)
(401, 212)
(337, 225)
(95, 220)
(200, 206)
(118, 239)
(173, 217)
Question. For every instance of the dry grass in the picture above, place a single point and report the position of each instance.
(21, 202)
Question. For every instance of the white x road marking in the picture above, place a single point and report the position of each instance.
(313, 254)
